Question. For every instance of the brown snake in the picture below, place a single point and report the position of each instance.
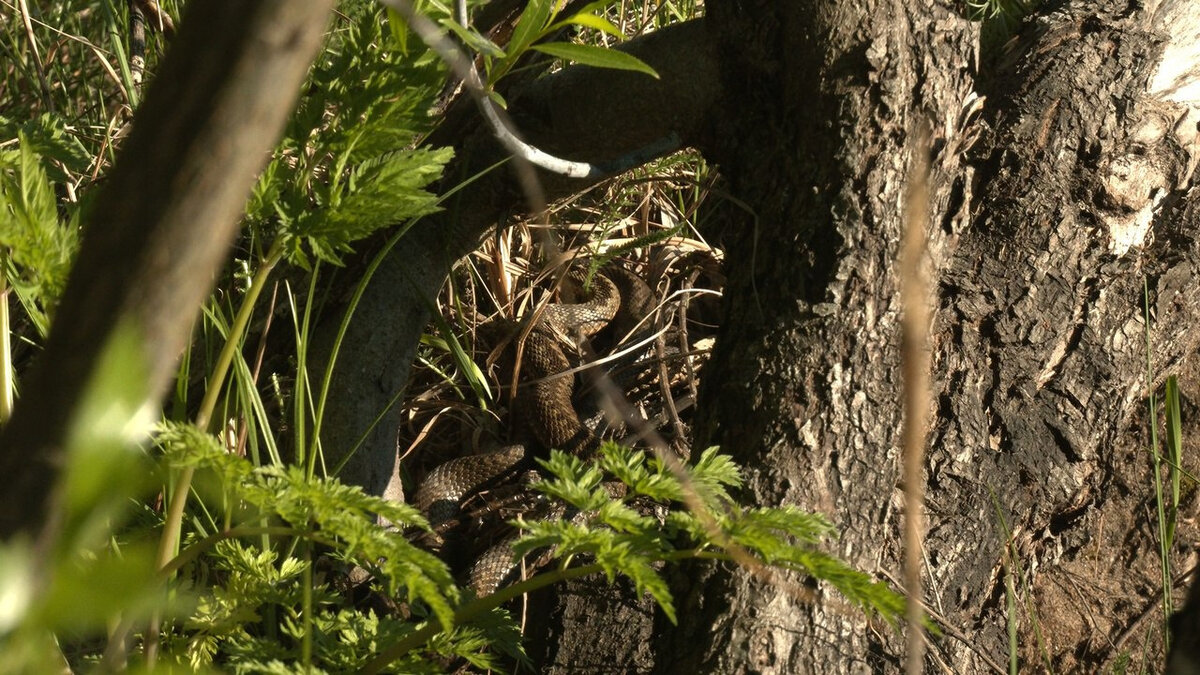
(542, 405)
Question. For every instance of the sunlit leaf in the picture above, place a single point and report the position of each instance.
(39, 248)
(17, 581)
(399, 29)
(530, 26)
(598, 57)
(591, 21)
(474, 40)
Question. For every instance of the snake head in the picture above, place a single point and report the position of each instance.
(593, 309)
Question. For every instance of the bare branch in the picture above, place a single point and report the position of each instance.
(502, 127)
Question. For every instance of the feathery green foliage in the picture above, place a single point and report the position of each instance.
(38, 248)
(622, 540)
(347, 165)
(256, 597)
(255, 605)
(230, 625)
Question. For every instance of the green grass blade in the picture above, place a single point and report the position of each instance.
(1155, 469)
(1174, 453)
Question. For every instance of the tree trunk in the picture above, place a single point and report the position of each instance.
(1076, 191)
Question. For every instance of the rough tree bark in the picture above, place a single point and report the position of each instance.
(1049, 204)
(1081, 185)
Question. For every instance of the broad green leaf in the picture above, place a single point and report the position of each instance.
(114, 417)
(590, 21)
(18, 579)
(399, 28)
(598, 57)
(594, 7)
(90, 589)
(474, 40)
(531, 26)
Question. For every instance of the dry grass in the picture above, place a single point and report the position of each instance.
(644, 221)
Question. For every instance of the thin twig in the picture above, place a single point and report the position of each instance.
(1147, 611)
(498, 121)
(137, 43)
(947, 627)
(37, 58)
(914, 347)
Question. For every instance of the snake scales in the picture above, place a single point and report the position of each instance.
(543, 406)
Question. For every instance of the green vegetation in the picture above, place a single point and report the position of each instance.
(1166, 505)
(267, 552)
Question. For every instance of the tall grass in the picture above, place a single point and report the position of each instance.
(1165, 508)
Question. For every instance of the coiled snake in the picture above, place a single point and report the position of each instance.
(543, 405)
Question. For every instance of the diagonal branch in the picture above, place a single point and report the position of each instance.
(161, 226)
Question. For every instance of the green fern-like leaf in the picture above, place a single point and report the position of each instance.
(347, 164)
(574, 481)
(620, 540)
(51, 138)
(629, 554)
(39, 248)
(643, 478)
(380, 192)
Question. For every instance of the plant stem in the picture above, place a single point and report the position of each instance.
(304, 396)
(7, 378)
(204, 417)
(233, 340)
(174, 517)
(306, 644)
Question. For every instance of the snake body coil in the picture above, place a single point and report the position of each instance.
(544, 407)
